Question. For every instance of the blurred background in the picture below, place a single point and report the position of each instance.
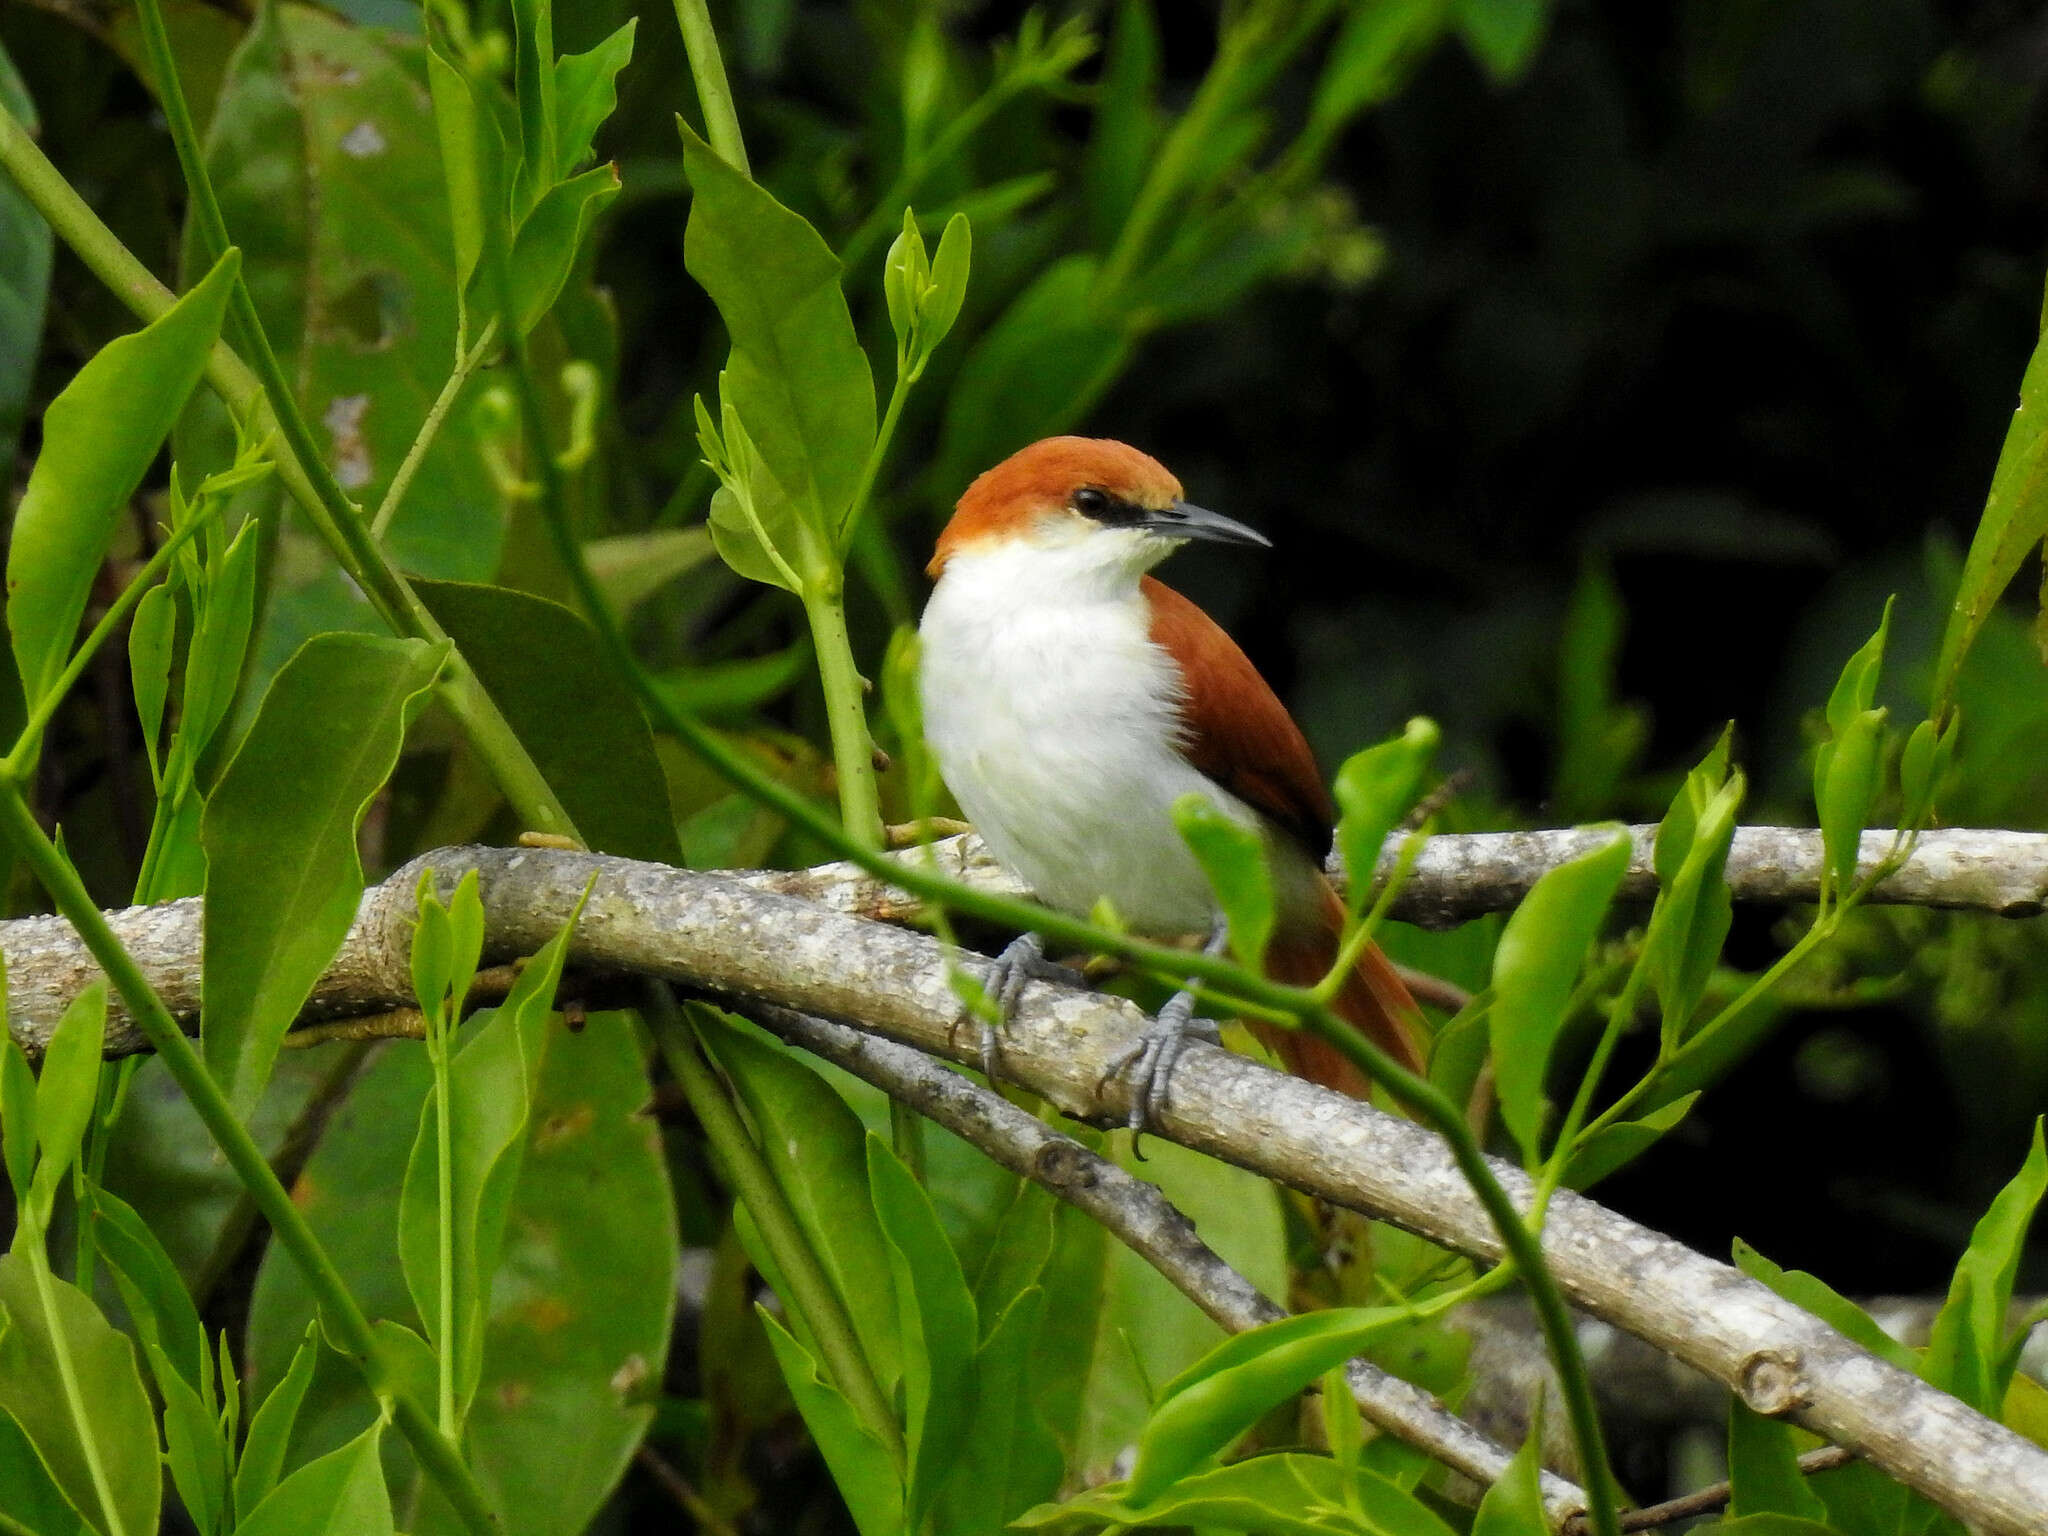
(1598, 371)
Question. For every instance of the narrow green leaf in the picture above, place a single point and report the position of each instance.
(1763, 1468)
(2015, 520)
(1966, 1347)
(17, 1115)
(1513, 1506)
(1541, 951)
(1008, 1459)
(99, 436)
(937, 1324)
(194, 1447)
(533, 73)
(1233, 859)
(432, 957)
(118, 1422)
(27, 247)
(152, 633)
(797, 372)
(340, 1494)
(550, 238)
(1372, 55)
(472, 160)
(1207, 1407)
(213, 662)
(1824, 1302)
(152, 1289)
(1855, 687)
(66, 1091)
(1286, 1495)
(947, 289)
(270, 1429)
(1374, 790)
(859, 1463)
(586, 92)
(905, 270)
(585, 730)
(1614, 1147)
(1694, 908)
(1848, 790)
(33, 1497)
(324, 741)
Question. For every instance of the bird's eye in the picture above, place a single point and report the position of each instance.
(1090, 501)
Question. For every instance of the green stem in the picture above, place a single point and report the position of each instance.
(1561, 1151)
(871, 470)
(342, 1317)
(811, 1290)
(853, 749)
(714, 94)
(430, 429)
(387, 591)
(67, 1377)
(887, 213)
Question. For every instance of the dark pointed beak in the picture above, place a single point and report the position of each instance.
(1185, 520)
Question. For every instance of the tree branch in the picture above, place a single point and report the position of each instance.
(740, 943)
(1143, 1220)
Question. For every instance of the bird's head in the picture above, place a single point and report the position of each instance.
(1089, 499)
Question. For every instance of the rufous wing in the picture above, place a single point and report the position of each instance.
(1239, 734)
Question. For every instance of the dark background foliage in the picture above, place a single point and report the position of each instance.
(1605, 408)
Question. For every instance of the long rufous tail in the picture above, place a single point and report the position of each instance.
(1374, 998)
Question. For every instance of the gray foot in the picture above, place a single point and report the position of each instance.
(1022, 961)
(1151, 1061)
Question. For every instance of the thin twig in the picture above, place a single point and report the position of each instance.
(677, 1487)
(1706, 1501)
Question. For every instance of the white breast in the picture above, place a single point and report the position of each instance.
(1055, 722)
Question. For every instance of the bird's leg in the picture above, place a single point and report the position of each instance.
(1151, 1061)
(1022, 960)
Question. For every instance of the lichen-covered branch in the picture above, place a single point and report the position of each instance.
(1143, 1220)
(735, 941)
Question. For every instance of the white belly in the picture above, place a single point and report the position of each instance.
(1054, 719)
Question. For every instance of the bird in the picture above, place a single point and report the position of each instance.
(1070, 698)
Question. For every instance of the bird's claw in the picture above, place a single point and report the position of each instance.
(1151, 1061)
(1021, 962)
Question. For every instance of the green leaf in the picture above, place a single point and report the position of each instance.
(947, 288)
(1233, 860)
(1208, 1406)
(326, 154)
(1007, 1457)
(270, 1429)
(1824, 1302)
(472, 161)
(1285, 1495)
(629, 568)
(213, 662)
(581, 1310)
(323, 743)
(2015, 520)
(570, 710)
(817, 1149)
(99, 436)
(533, 73)
(1855, 689)
(906, 271)
(340, 1494)
(1694, 907)
(860, 1464)
(1372, 56)
(152, 633)
(195, 1447)
(1966, 1347)
(1374, 790)
(1614, 1147)
(26, 249)
(1763, 1468)
(549, 240)
(937, 1324)
(1923, 765)
(1502, 34)
(797, 373)
(152, 1289)
(1513, 1506)
(115, 1420)
(1846, 776)
(33, 1498)
(1768, 1525)
(1541, 950)
(492, 1082)
(586, 94)
(17, 1114)
(67, 1088)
